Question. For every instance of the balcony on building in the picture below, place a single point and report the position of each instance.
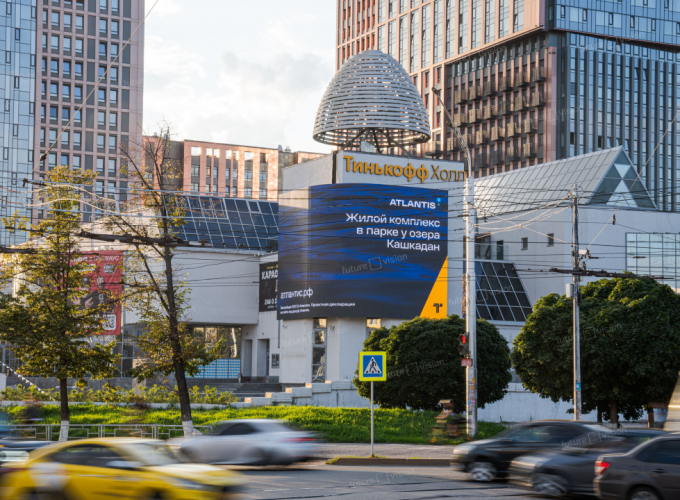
(452, 145)
(475, 93)
(529, 126)
(481, 160)
(504, 83)
(497, 133)
(505, 107)
(522, 78)
(460, 118)
(537, 99)
(474, 116)
(512, 154)
(460, 96)
(490, 88)
(512, 129)
(482, 138)
(529, 150)
(469, 139)
(497, 157)
(433, 149)
(520, 103)
(539, 74)
(490, 112)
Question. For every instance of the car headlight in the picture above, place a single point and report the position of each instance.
(186, 484)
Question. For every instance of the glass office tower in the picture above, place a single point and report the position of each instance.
(18, 39)
(529, 82)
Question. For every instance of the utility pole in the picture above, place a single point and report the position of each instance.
(576, 299)
(470, 214)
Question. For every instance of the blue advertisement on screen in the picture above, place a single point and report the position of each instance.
(363, 250)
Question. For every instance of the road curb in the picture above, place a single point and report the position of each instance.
(418, 462)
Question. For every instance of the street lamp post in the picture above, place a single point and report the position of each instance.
(470, 279)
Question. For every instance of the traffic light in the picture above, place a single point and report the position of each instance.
(464, 347)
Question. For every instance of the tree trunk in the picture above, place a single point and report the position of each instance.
(599, 414)
(65, 412)
(614, 414)
(650, 417)
(184, 401)
(177, 354)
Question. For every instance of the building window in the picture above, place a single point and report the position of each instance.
(101, 118)
(195, 170)
(248, 175)
(67, 69)
(67, 44)
(263, 177)
(525, 243)
(247, 192)
(319, 350)
(54, 90)
(79, 46)
(100, 166)
(114, 28)
(102, 49)
(77, 139)
(78, 93)
(551, 239)
(263, 193)
(103, 27)
(79, 22)
(194, 187)
(102, 96)
(112, 167)
(101, 141)
(113, 120)
(67, 21)
(78, 68)
(55, 42)
(114, 96)
(518, 17)
(76, 162)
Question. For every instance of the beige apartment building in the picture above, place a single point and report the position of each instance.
(89, 90)
(233, 170)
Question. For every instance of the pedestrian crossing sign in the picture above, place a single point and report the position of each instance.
(372, 366)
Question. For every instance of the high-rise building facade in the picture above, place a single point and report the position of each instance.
(531, 81)
(18, 23)
(231, 170)
(89, 89)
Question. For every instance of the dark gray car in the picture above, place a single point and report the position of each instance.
(649, 472)
(572, 469)
(487, 459)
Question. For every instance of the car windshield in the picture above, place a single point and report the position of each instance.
(154, 454)
(274, 427)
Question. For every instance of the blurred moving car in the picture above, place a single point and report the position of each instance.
(487, 459)
(249, 442)
(121, 468)
(16, 450)
(572, 469)
(650, 471)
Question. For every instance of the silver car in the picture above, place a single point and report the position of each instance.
(249, 442)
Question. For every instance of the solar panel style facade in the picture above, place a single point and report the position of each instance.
(500, 293)
(230, 223)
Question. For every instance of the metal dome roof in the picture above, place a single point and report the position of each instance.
(372, 98)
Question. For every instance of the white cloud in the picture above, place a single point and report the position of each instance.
(255, 78)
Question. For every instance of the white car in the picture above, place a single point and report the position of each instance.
(249, 442)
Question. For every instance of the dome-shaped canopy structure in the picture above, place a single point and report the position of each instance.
(372, 98)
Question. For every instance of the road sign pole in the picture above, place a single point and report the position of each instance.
(371, 418)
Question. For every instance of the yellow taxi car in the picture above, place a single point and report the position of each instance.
(114, 468)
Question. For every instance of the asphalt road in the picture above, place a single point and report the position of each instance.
(317, 480)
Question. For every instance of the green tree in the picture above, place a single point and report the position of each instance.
(424, 367)
(630, 347)
(156, 290)
(43, 320)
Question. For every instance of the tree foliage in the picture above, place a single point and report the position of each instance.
(43, 320)
(630, 346)
(155, 288)
(424, 367)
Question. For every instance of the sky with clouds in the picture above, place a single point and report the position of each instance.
(246, 72)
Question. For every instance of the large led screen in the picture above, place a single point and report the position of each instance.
(362, 250)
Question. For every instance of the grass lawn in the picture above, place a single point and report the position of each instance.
(336, 425)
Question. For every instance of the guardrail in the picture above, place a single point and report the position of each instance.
(49, 432)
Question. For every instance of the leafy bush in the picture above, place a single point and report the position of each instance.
(113, 395)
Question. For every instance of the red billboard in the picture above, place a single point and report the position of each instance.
(104, 287)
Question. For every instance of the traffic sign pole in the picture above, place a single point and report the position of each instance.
(372, 367)
(371, 418)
